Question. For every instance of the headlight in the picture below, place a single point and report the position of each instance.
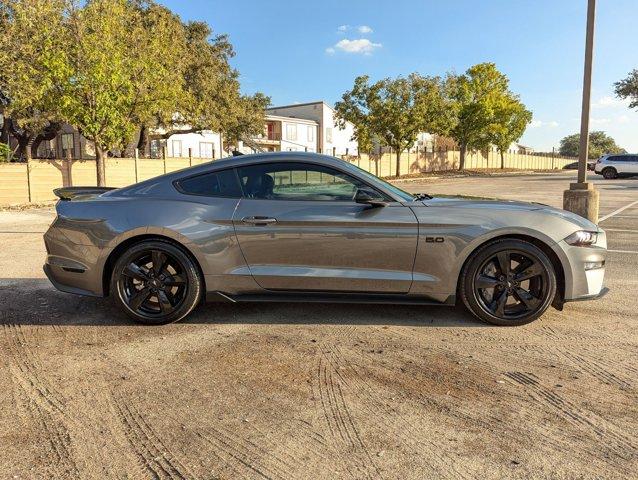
(582, 238)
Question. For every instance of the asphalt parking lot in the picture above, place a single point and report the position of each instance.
(313, 391)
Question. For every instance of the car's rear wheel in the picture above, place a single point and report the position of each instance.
(508, 282)
(610, 173)
(156, 282)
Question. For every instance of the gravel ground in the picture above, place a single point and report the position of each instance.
(320, 391)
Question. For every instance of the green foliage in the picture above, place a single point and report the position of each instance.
(32, 65)
(488, 112)
(395, 110)
(627, 88)
(206, 93)
(109, 67)
(599, 144)
(5, 152)
(510, 120)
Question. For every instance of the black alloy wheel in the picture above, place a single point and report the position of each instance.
(508, 282)
(156, 282)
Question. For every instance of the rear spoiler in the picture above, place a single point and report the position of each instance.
(68, 193)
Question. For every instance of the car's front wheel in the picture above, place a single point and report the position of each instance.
(508, 282)
(610, 173)
(156, 282)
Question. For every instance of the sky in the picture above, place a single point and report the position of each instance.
(300, 51)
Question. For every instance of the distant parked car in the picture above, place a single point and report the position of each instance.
(574, 166)
(614, 166)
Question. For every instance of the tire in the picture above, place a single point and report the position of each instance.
(510, 269)
(610, 173)
(155, 282)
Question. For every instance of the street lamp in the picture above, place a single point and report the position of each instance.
(582, 198)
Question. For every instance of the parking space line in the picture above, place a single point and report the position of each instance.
(622, 251)
(622, 230)
(616, 212)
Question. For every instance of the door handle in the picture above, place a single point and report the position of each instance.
(259, 221)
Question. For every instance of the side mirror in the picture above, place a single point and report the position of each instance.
(369, 197)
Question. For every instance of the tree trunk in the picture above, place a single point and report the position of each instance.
(25, 142)
(99, 164)
(4, 134)
(398, 168)
(463, 148)
(502, 160)
(142, 143)
(49, 133)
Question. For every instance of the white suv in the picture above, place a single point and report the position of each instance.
(617, 165)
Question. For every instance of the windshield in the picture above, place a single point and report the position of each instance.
(402, 194)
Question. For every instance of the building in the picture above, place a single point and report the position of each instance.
(204, 144)
(330, 139)
(285, 134)
(69, 142)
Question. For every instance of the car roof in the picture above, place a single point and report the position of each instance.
(232, 162)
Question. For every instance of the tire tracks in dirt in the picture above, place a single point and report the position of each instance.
(387, 420)
(622, 445)
(155, 457)
(42, 401)
(531, 411)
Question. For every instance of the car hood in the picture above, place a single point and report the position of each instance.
(463, 201)
(469, 202)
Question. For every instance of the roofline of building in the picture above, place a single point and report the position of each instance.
(284, 118)
(300, 105)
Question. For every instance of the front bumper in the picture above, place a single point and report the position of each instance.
(582, 283)
(603, 291)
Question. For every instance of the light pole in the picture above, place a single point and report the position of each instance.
(582, 198)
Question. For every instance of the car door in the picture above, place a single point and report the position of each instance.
(632, 164)
(299, 228)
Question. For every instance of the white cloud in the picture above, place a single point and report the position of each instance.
(541, 123)
(359, 45)
(364, 29)
(599, 121)
(343, 28)
(607, 101)
(623, 119)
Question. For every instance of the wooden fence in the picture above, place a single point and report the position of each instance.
(33, 182)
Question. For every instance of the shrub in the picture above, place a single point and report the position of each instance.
(5, 152)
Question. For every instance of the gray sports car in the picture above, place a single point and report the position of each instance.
(307, 227)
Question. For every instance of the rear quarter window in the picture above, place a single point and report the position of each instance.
(223, 183)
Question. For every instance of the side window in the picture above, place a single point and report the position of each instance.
(215, 184)
(291, 132)
(297, 181)
(329, 134)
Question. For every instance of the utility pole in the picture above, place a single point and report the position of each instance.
(582, 198)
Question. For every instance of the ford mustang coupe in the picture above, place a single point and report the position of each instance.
(307, 227)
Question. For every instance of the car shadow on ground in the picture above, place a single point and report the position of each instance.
(36, 302)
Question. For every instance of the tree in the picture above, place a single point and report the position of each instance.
(510, 120)
(627, 88)
(396, 110)
(599, 144)
(482, 96)
(209, 97)
(32, 69)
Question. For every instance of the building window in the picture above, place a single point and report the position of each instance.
(328, 134)
(67, 144)
(206, 150)
(176, 146)
(311, 134)
(291, 132)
